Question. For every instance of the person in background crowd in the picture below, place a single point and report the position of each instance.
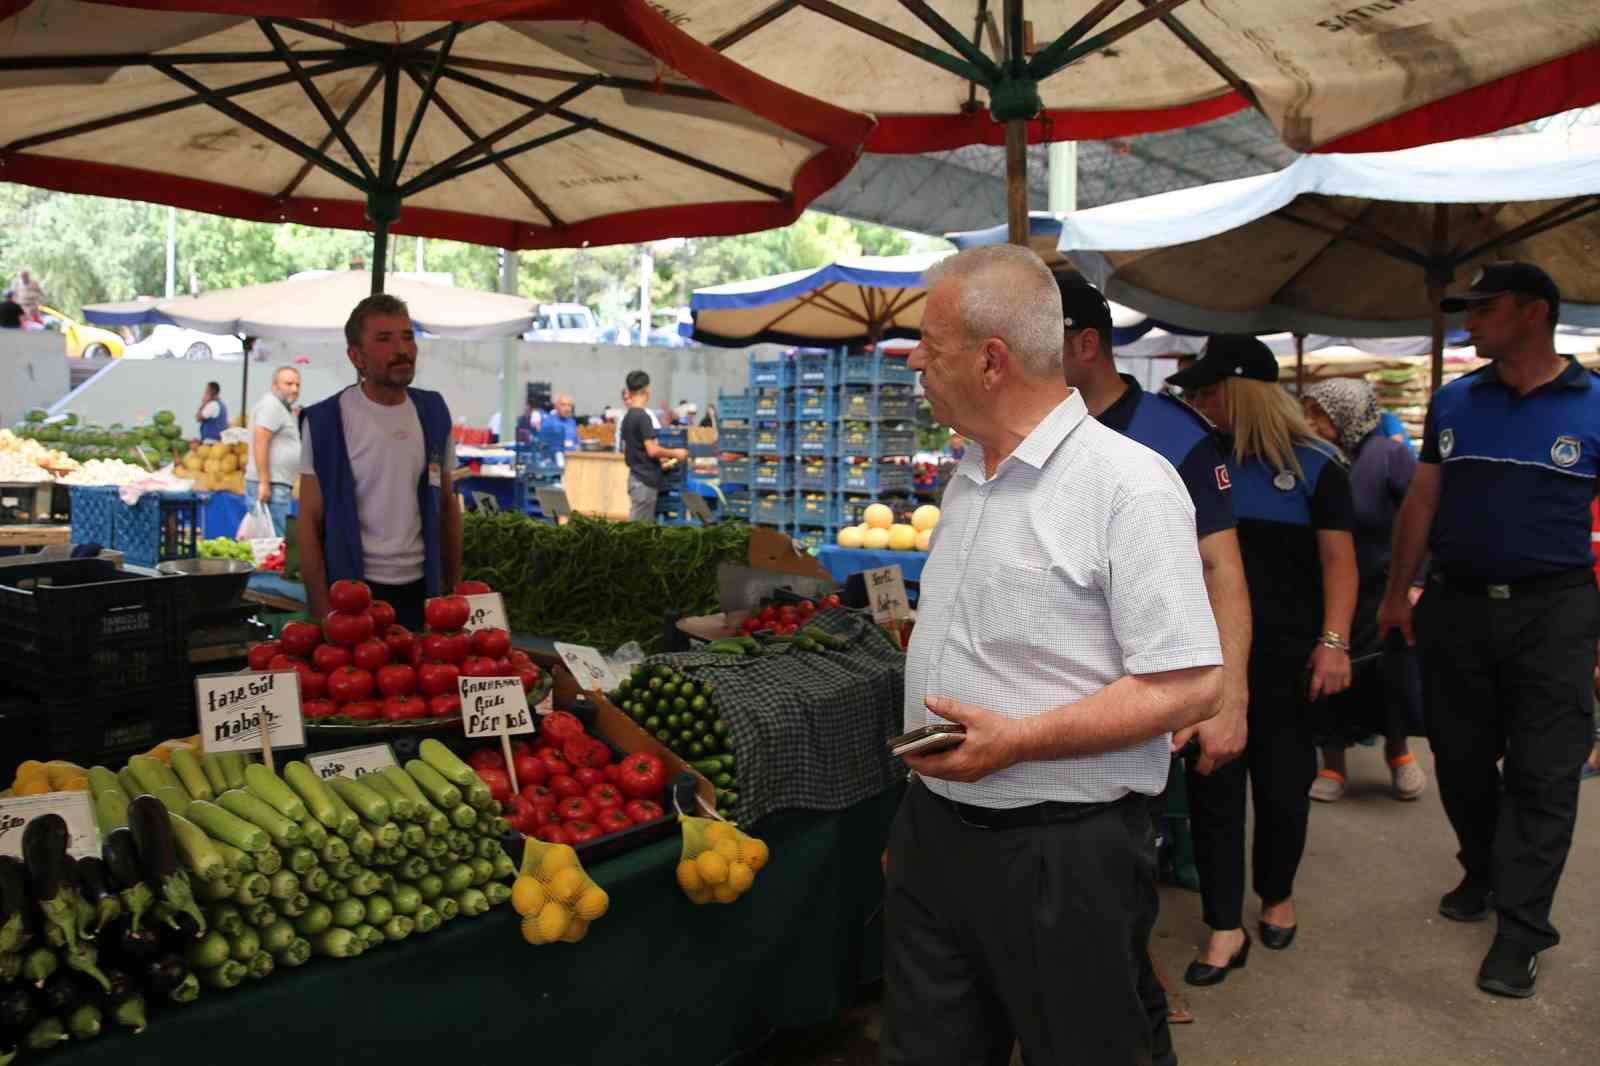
(212, 413)
(559, 427)
(1291, 499)
(644, 456)
(30, 295)
(375, 495)
(1344, 412)
(10, 311)
(1509, 621)
(710, 418)
(275, 447)
(1019, 873)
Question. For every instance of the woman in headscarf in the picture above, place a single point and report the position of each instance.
(1384, 698)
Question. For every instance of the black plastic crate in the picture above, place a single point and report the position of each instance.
(86, 729)
(87, 628)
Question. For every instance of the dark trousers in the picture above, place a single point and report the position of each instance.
(1029, 934)
(406, 600)
(1280, 760)
(1511, 678)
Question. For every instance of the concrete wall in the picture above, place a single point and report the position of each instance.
(33, 372)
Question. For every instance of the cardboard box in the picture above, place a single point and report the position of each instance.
(772, 556)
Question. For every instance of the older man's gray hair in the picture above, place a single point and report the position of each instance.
(1008, 292)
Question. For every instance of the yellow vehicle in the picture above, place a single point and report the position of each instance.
(83, 340)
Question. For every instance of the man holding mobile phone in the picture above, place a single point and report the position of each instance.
(1064, 623)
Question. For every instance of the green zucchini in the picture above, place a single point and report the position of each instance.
(338, 943)
(403, 810)
(229, 827)
(198, 853)
(316, 835)
(284, 831)
(269, 861)
(224, 977)
(212, 766)
(270, 787)
(233, 764)
(296, 954)
(313, 793)
(444, 795)
(186, 767)
(366, 802)
(237, 860)
(426, 919)
(262, 965)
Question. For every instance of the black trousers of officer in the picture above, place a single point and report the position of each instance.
(1280, 760)
(1029, 934)
(1511, 677)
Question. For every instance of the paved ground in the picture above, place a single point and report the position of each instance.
(1376, 977)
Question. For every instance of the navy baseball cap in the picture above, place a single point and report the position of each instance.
(1228, 355)
(1497, 279)
(1083, 306)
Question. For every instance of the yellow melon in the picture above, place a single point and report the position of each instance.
(875, 540)
(902, 538)
(849, 537)
(878, 516)
(924, 540)
(925, 517)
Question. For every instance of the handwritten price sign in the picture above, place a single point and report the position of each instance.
(494, 707)
(233, 706)
(886, 594)
(352, 762)
(488, 612)
(588, 666)
(83, 835)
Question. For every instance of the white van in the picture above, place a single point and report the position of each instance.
(565, 322)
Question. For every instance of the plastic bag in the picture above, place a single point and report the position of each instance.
(554, 895)
(256, 524)
(719, 863)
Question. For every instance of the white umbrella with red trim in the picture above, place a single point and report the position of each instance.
(531, 124)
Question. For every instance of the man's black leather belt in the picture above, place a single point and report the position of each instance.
(1513, 590)
(1048, 813)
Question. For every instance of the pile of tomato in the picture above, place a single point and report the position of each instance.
(361, 665)
(783, 619)
(572, 791)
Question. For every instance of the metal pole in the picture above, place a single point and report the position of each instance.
(419, 255)
(1063, 177)
(647, 267)
(1436, 371)
(1299, 364)
(244, 385)
(380, 253)
(172, 252)
(1439, 273)
(510, 404)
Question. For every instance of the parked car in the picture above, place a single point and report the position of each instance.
(175, 342)
(564, 322)
(83, 340)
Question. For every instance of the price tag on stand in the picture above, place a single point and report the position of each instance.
(588, 666)
(488, 612)
(886, 594)
(695, 505)
(233, 706)
(351, 762)
(83, 833)
(553, 502)
(495, 707)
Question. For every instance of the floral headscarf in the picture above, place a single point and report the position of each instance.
(1351, 405)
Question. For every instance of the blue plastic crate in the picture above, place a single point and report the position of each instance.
(877, 368)
(161, 526)
(738, 502)
(733, 438)
(673, 436)
(815, 438)
(769, 373)
(814, 475)
(816, 510)
(772, 509)
(876, 439)
(670, 510)
(816, 405)
(772, 438)
(772, 475)
(675, 477)
(888, 403)
(735, 407)
(772, 405)
(94, 514)
(874, 477)
(736, 471)
(811, 539)
(817, 370)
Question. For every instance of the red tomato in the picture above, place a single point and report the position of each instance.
(519, 657)
(830, 601)
(371, 655)
(397, 708)
(786, 614)
(641, 811)
(588, 777)
(444, 613)
(751, 624)
(313, 682)
(521, 815)
(434, 646)
(769, 614)
(643, 776)
(396, 680)
(614, 820)
(417, 658)
(438, 679)
(475, 666)
(580, 751)
(365, 710)
(286, 664)
(565, 786)
(553, 833)
(260, 655)
(458, 646)
(318, 708)
(499, 783)
(554, 761)
(350, 684)
(491, 643)
(807, 607)
(560, 725)
(299, 638)
(400, 642)
(530, 771)
(486, 759)
(575, 809)
(604, 795)
(329, 657)
(581, 832)
(541, 798)
(529, 675)
(521, 747)
(382, 616)
(613, 772)
(349, 628)
(445, 706)
(350, 596)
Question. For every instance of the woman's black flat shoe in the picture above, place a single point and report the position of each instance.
(1203, 974)
(1277, 937)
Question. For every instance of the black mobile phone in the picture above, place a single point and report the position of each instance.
(929, 739)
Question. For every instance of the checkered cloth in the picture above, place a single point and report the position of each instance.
(809, 729)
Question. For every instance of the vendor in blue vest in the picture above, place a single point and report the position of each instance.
(1507, 625)
(213, 413)
(375, 497)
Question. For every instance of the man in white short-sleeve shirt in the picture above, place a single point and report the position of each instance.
(275, 447)
(1064, 622)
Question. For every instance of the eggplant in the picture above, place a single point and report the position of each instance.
(158, 859)
(121, 857)
(164, 974)
(16, 917)
(138, 944)
(10, 967)
(44, 853)
(18, 1009)
(94, 888)
(60, 994)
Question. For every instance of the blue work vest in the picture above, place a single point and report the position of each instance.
(211, 428)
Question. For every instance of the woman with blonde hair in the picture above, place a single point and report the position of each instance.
(1291, 498)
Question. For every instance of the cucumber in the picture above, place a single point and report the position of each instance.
(187, 769)
(284, 831)
(270, 787)
(313, 793)
(228, 827)
(366, 802)
(211, 765)
(443, 794)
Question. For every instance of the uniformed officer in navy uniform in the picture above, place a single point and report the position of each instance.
(1508, 624)
(1183, 437)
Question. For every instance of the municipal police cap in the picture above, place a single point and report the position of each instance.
(1228, 355)
(1083, 306)
(1497, 279)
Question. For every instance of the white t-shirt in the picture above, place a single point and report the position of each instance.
(283, 451)
(211, 409)
(387, 456)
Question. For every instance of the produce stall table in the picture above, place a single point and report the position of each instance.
(222, 513)
(276, 592)
(657, 980)
(842, 562)
(34, 536)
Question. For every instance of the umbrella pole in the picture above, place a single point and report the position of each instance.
(1299, 364)
(244, 384)
(380, 254)
(1017, 181)
(1436, 371)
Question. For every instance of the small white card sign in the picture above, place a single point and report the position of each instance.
(695, 505)
(231, 707)
(553, 502)
(886, 593)
(83, 834)
(588, 666)
(494, 707)
(351, 762)
(488, 612)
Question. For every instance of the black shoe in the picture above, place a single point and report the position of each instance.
(1277, 937)
(1470, 901)
(1202, 973)
(1509, 969)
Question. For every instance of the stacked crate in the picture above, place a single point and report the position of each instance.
(772, 442)
(734, 411)
(670, 509)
